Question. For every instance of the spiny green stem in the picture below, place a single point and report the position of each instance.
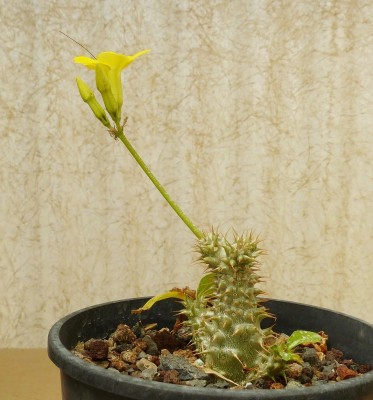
(157, 184)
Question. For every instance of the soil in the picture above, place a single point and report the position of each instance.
(166, 355)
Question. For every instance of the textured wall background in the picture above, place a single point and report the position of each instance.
(255, 114)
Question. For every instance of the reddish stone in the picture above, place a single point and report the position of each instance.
(164, 339)
(344, 372)
(124, 334)
(171, 376)
(277, 385)
(96, 349)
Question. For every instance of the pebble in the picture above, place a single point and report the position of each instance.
(170, 376)
(276, 386)
(344, 372)
(334, 355)
(318, 382)
(293, 385)
(102, 364)
(196, 383)
(142, 354)
(129, 356)
(152, 347)
(219, 384)
(123, 334)
(149, 374)
(164, 339)
(145, 364)
(138, 330)
(137, 374)
(148, 369)
(310, 355)
(184, 333)
(328, 372)
(186, 353)
(123, 347)
(96, 349)
(118, 364)
(199, 363)
(294, 370)
(154, 359)
(307, 373)
(186, 370)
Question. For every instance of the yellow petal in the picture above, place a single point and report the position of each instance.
(86, 61)
(116, 60)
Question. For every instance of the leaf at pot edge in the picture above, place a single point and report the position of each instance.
(302, 337)
(150, 303)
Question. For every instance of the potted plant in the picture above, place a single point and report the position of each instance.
(231, 329)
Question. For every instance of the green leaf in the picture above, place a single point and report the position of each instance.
(150, 303)
(285, 349)
(302, 337)
(206, 285)
(286, 354)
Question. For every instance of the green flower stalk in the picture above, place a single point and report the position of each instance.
(225, 312)
(108, 67)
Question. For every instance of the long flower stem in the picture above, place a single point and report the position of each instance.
(157, 184)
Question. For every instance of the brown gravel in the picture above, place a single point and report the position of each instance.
(161, 355)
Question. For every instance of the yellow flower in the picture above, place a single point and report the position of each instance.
(113, 64)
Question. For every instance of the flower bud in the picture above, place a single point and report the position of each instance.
(89, 98)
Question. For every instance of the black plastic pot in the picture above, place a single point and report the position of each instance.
(83, 381)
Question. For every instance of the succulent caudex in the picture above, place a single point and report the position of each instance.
(226, 318)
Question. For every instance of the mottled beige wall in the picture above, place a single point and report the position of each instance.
(256, 115)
